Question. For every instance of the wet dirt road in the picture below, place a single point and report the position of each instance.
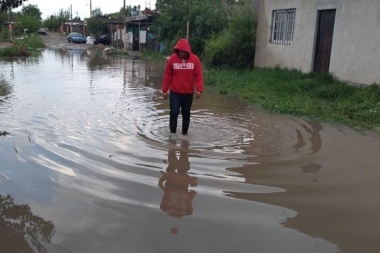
(88, 166)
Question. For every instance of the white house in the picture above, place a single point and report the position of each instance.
(337, 36)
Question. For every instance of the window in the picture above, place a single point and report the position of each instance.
(282, 29)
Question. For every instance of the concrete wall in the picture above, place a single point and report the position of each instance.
(355, 55)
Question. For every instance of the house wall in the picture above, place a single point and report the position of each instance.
(69, 27)
(355, 50)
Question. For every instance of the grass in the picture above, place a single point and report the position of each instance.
(153, 55)
(33, 42)
(314, 95)
(24, 47)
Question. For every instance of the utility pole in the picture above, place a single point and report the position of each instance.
(10, 23)
(71, 18)
(187, 30)
(90, 8)
(124, 36)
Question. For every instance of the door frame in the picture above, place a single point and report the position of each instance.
(317, 38)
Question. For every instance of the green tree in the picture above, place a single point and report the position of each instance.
(63, 15)
(124, 11)
(235, 46)
(54, 22)
(32, 23)
(96, 26)
(97, 12)
(31, 10)
(6, 5)
(3, 19)
(205, 17)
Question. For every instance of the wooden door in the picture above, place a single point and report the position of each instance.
(325, 26)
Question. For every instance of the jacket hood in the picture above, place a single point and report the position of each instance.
(182, 45)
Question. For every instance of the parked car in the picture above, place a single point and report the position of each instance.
(104, 39)
(41, 30)
(75, 37)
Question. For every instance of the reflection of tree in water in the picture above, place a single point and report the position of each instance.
(20, 229)
(175, 182)
(5, 88)
(97, 60)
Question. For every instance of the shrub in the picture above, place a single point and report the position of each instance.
(17, 50)
(235, 46)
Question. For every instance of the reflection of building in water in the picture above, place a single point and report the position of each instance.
(175, 182)
(21, 230)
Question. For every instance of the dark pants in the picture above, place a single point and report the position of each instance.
(180, 103)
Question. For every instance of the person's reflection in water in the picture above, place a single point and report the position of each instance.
(175, 182)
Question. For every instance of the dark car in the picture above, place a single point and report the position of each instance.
(42, 31)
(76, 38)
(104, 39)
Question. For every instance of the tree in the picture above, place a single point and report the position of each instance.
(54, 22)
(6, 5)
(96, 26)
(31, 23)
(31, 10)
(235, 46)
(97, 12)
(3, 19)
(124, 11)
(205, 17)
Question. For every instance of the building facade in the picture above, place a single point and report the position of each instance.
(337, 36)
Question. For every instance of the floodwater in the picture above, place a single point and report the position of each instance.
(88, 167)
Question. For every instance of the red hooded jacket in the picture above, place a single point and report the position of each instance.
(183, 76)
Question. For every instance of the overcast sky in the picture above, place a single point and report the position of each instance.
(82, 7)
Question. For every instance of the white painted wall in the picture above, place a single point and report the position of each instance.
(355, 55)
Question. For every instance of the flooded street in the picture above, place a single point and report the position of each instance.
(88, 167)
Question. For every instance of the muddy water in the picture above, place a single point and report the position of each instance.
(88, 166)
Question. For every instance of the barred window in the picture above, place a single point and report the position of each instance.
(282, 29)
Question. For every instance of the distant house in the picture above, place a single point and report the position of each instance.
(10, 25)
(337, 36)
(139, 35)
(115, 27)
(74, 25)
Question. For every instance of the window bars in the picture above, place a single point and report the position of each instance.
(282, 29)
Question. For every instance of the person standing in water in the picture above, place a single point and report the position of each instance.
(183, 77)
